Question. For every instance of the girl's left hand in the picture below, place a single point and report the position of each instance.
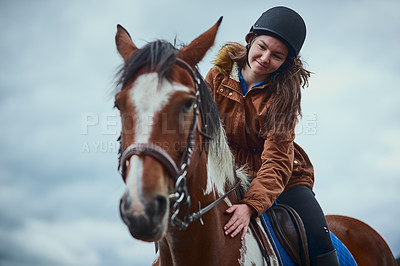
(239, 221)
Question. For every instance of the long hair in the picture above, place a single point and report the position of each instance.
(285, 84)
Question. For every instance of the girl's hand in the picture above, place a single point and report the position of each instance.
(239, 221)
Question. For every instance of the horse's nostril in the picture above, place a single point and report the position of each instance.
(157, 208)
(125, 202)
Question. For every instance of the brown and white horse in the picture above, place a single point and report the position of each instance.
(179, 172)
(365, 244)
(175, 159)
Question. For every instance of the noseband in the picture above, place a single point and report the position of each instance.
(178, 173)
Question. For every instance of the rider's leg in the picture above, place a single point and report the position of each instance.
(302, 199)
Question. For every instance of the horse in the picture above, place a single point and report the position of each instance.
(174, 152)
(175, 160)
(366, 245)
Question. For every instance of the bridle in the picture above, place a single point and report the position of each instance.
(178, 173)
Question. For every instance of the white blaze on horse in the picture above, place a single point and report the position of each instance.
(179, 172)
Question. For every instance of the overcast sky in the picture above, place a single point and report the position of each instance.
(59, 185)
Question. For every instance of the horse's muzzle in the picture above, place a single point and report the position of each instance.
(149, 225)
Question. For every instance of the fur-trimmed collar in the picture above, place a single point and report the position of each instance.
(235, 72)
(224, 61)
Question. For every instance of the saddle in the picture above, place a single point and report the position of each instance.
(289, 229)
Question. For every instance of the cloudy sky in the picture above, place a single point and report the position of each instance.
(59, 185)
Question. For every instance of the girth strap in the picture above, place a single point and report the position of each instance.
(261, 240)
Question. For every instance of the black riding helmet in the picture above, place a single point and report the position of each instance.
(282, 23)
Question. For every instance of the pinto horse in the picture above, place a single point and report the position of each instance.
(176, 163)
(366, 245)
(175, 159)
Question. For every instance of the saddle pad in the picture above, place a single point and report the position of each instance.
(344, 255)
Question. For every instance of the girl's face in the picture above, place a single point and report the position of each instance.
(266, 55)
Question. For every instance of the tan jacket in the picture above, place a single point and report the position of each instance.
(274, 166)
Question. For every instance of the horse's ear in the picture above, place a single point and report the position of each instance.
(125, 45)
(196, 50)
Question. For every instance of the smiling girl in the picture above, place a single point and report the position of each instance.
(258, 90)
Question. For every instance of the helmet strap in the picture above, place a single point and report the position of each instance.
(248, 49)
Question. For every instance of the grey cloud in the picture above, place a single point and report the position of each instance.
(60, 188)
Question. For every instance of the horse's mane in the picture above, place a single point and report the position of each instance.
(159, 56)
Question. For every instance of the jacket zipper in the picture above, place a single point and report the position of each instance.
(256, 88)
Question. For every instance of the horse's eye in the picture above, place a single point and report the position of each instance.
(117, 101)
(187, 107)
(116, 105)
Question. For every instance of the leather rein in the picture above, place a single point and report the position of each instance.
(178, 173)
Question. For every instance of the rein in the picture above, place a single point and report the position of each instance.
(181, 194)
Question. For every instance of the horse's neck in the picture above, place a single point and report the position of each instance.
(210, 176)
(201, 244)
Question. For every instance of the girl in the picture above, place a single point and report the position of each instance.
(258, 90)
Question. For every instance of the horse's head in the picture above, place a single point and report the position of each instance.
(158, 107)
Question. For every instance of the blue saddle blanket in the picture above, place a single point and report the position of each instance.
(344, 255)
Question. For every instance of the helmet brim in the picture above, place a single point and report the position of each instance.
(250, 35)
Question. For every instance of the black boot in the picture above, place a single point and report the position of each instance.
(327, 259)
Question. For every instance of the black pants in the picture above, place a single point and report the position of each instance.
(302, 199)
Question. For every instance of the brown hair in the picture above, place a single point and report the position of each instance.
(286, 84)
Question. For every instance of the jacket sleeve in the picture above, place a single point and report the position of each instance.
(213, 79)
(273, 175)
